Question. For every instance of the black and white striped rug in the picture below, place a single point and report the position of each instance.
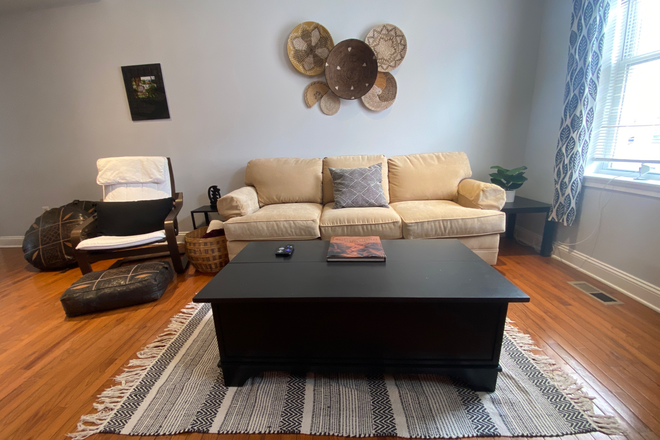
(175, 386)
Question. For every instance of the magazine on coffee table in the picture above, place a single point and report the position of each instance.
(355, 249)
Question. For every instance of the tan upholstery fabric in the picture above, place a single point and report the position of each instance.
(446, 219)
(383, 222)
(285, 180)
(238, 203)
(482, 242)
(480, 195)
(428, 176)
(486, 246)
(489, 256)
(351, 162)
(234, 247)
(285, 221)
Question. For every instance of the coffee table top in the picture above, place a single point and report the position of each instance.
(415, 269)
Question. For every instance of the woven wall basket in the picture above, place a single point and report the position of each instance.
(308, 46)
(389, 44)
(351, 69)
(206, 254)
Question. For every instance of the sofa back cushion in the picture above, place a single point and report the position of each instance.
(361, 161)
(427, 176)
(285, 180)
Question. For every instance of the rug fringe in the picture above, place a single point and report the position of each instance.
(108, 401)
(564, 382)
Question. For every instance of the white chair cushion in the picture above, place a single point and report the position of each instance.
(108, 242)
(137, 169)
(127, 179)
(131, 192)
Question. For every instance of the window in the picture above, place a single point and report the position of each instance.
(626, 137)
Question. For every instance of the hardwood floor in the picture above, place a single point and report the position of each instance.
(52, 367)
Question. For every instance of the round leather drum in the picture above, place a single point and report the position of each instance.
(47, 244)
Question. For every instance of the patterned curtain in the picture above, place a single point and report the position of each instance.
(585, 50)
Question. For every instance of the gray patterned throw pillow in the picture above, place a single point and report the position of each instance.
(358, 187)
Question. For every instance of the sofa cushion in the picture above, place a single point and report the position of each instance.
(358, 187)
(428, 176)
(285, 221)
(383, 222)
(446, 219)
(351, 162)
(285, 180)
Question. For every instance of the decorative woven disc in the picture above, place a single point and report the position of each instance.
(382, 94)
(389, 44)
(330, 104)
(314, 92)
(308, 47)
(351, 69)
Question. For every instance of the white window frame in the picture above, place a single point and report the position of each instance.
(598, 172)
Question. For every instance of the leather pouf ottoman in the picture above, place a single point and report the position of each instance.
(116, 288)
(47, 244)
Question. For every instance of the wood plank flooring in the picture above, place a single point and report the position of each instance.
(52, 367)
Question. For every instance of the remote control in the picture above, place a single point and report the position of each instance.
(284, 251)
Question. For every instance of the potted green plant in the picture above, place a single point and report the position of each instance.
(509, 180)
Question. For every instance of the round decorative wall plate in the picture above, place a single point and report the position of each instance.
(314, 92)
(389, 44)
(351, 69)
(330, 104)
(382, 94)
(308, 46)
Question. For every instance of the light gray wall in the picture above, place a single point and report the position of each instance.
(619, 229)
(465, 85)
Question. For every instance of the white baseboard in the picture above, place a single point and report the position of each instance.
(11, 241)
(636, 288)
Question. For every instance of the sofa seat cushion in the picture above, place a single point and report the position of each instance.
(285, 221)
(383, 222)
(446, 219)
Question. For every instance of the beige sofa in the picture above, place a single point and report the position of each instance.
(430, 196)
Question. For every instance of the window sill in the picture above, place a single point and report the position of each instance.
(648, 188)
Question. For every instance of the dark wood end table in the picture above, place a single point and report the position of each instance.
(521, 205)
(433, 307)
(206, 210)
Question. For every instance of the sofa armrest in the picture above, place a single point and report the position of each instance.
(238, 203)
(480, 195)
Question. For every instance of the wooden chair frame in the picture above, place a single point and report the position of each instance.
(154, 250)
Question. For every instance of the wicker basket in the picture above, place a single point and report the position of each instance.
(206, 254)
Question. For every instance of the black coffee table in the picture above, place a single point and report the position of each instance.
(433, 307)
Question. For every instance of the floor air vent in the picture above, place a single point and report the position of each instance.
(595, 292)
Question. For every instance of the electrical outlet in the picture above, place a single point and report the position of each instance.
(45, 208)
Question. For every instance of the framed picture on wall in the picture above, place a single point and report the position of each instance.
(145, 90)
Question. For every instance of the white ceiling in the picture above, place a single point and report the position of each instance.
(9, 6)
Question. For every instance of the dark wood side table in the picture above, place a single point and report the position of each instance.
(521, 205)
(206, 209)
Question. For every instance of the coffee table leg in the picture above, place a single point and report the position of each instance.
(235, 376)
(479, 379)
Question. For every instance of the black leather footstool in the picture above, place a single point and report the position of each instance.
(116, 288)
